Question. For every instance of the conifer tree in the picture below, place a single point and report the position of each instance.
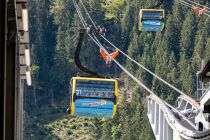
(188, 35)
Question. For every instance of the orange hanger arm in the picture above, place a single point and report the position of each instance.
(196, 10)
(203, 10)
(115, 54)
(103, 54)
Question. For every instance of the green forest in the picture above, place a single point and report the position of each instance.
(174, 54)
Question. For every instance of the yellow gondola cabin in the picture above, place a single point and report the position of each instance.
(95, 97)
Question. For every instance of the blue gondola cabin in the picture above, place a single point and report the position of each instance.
(151, 20)
(96, 97)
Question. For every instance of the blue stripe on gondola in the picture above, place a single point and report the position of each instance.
(93, 107)
(152, 25)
